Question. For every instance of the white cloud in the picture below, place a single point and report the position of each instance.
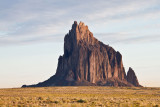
(127, 38)
(24, 20)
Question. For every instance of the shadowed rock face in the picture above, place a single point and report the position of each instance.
(87, 61)
(132, 78)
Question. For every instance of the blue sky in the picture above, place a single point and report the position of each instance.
(32, 32)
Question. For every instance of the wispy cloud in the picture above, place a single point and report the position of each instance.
(39, 21)
(127, 38)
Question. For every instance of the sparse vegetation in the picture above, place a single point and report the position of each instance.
(80, 96)
(81, 101)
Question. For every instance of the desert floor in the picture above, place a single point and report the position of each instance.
(74, 96)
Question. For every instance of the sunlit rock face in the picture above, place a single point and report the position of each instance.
(87, 61)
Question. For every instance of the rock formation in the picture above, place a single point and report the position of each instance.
(87, 61)
(132, 78)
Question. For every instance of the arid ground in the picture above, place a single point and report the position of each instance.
(80, 96)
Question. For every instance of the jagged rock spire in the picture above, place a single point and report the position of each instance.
(132, 78)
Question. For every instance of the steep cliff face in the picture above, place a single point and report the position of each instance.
(132, 78)
(87, 61)
(85, 58)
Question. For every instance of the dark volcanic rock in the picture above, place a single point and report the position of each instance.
(87, 61)
(132, 78)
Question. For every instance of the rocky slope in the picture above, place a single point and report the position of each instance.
(87, 61)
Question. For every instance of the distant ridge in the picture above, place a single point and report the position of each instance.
(88, 62)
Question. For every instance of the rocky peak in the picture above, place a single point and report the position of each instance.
(79, 32)
(79, 28)
(87, 61)
(132, 78)
(77, 35)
